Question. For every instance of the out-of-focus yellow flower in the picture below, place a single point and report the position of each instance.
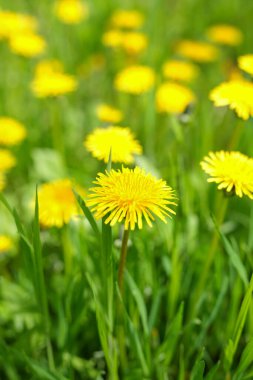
(225, 34)
(238, 95)
(27, 44)
(12, 23)
(71, 11)
(180, 70)
(135, 79)
(2, 181)
(50, 80)
(173, 98)
(108, 114)
(5, 244)
(112, 38)
(233, 171)
(134, 43)
(11, 131)
(57, 203)
(131, 195)
(7, 160)
(197, 51)
(245, 63)
(120, 141)
(128, 19)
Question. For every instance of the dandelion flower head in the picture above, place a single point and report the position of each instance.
(127, 19)
(5, 244)
(120, 141)
(130, 195)
(57, 203)
(7, 160)
(180, 70)
(245, 62)
(12, 23)
(173, 98)
(50, 80)
(201, 52)
(27, 44)
(225, 34)
(108, 114)
(232, 171)
(11, 131)
(237, 94)
(135, 80)
(112, 38)
(71, 11)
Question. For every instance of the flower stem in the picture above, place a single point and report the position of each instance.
(67, 249)
(235, 138)
(57, 133)
(123, 255)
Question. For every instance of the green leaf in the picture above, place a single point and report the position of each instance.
(198, 370)
(212, 374)
(246, 358)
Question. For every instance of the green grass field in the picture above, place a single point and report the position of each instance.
(184, 309)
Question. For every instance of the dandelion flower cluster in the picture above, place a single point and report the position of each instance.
(237, 94)
(127, 19)
(131, 42)
(11, 131)
(130, 195)
(27, 44)
(225, 34)
(197, 51)
(245, 62)
(173, 98)
(71, 11)
(232, 171)
(135, 80)
(12, 23)
(108, 114)
(120, 141)
(180, 70)
(7, 160)
(57, 203)
(50, 80)
(5, 244)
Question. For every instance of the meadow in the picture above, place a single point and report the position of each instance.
(126, 187)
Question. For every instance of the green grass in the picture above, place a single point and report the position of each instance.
(168, 324)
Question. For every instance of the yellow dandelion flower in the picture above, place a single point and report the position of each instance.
(180, 70)
(7, 160)
(50, 80)
(134, 43)
(71, 11)
(108, 114)
(197, 51)
(128, 19)
(12, 23)
(225, 35)
(119, 140)
(27, 44)
(112, 38)
(130, 195)
(5, 243)
(236, 94)
(245, 62)
(173, 97)
(135, 79)
(57, 203)
(232, 171)
(11, 131)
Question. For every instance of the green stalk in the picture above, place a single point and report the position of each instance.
(56, 129)
(122, 262)
(235, 138)
(67, 250)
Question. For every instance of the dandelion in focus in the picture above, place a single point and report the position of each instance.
(225, 35)
(57, 203)
(71, 11)
(5, 244)
(27, 44)
(180, 70)
(173, 98)
(11, 131)
(232, 171)
(130, 195)
(108, 114)
(50, 80)
(201, 52)
(127, 19)
(236, 94)
(7, 160)
(245, 63)
(135, 80)
(120, 141)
